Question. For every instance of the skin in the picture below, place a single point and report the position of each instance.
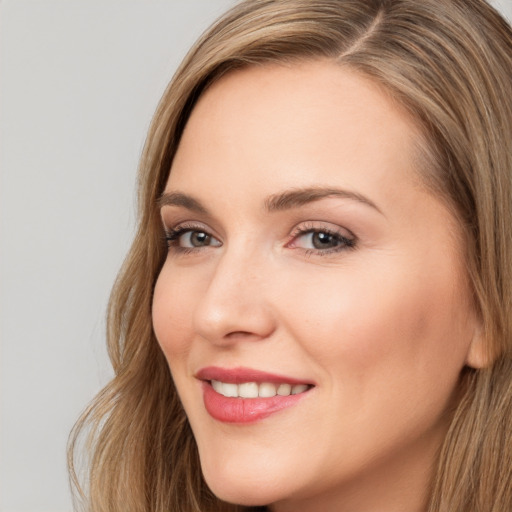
(382, 328)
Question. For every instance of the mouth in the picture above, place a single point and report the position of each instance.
(257, 390)
(243, 395)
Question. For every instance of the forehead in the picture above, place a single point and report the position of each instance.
(294, 125)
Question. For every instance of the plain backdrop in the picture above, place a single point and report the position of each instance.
(79, 81)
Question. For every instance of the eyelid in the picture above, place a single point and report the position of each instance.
(328, 227)
(346, 237)
(173, 234)
(192, 225)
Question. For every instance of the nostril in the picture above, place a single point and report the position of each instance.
(241, 334)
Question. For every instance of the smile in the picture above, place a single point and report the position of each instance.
(242, 395)
(255, 390)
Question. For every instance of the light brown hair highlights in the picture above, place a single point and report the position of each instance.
(449, 63)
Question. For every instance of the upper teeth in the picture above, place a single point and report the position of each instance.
(255, 390)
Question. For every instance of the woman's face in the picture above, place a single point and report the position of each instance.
(313, 306)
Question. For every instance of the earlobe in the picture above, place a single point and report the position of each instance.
(479, 354)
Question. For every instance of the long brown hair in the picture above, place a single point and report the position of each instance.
(449, 63)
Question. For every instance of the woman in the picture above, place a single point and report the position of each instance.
(323, 263)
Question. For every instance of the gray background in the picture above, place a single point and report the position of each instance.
(79, 81)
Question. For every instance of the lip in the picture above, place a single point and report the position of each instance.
(245, 410)
(242, 374)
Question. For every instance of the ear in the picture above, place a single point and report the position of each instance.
(478, 355)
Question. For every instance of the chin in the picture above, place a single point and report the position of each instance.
(243, 487)
(241, 492)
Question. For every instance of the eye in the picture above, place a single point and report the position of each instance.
(321, 240)
(195, 239)
(190, 238)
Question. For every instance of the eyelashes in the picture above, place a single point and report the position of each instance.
(188, 238)
(321, 240)
(191, 237)
(310, 238)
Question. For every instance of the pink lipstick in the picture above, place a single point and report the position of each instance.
(245, 395)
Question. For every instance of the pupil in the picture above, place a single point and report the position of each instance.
(198, 238)
(323, 240)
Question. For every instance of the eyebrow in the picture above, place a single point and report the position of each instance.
(180, 199)
(277, 202)
(299, 197)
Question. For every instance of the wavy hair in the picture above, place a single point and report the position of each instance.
(449, 63)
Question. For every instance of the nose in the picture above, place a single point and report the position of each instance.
(236, 304)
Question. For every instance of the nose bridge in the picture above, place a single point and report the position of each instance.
(236, 299)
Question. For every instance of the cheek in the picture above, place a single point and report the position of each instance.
(406, 321)
(172, 305)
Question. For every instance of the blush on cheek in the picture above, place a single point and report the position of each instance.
(352, 325)
(409, 323)
(168, 315)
